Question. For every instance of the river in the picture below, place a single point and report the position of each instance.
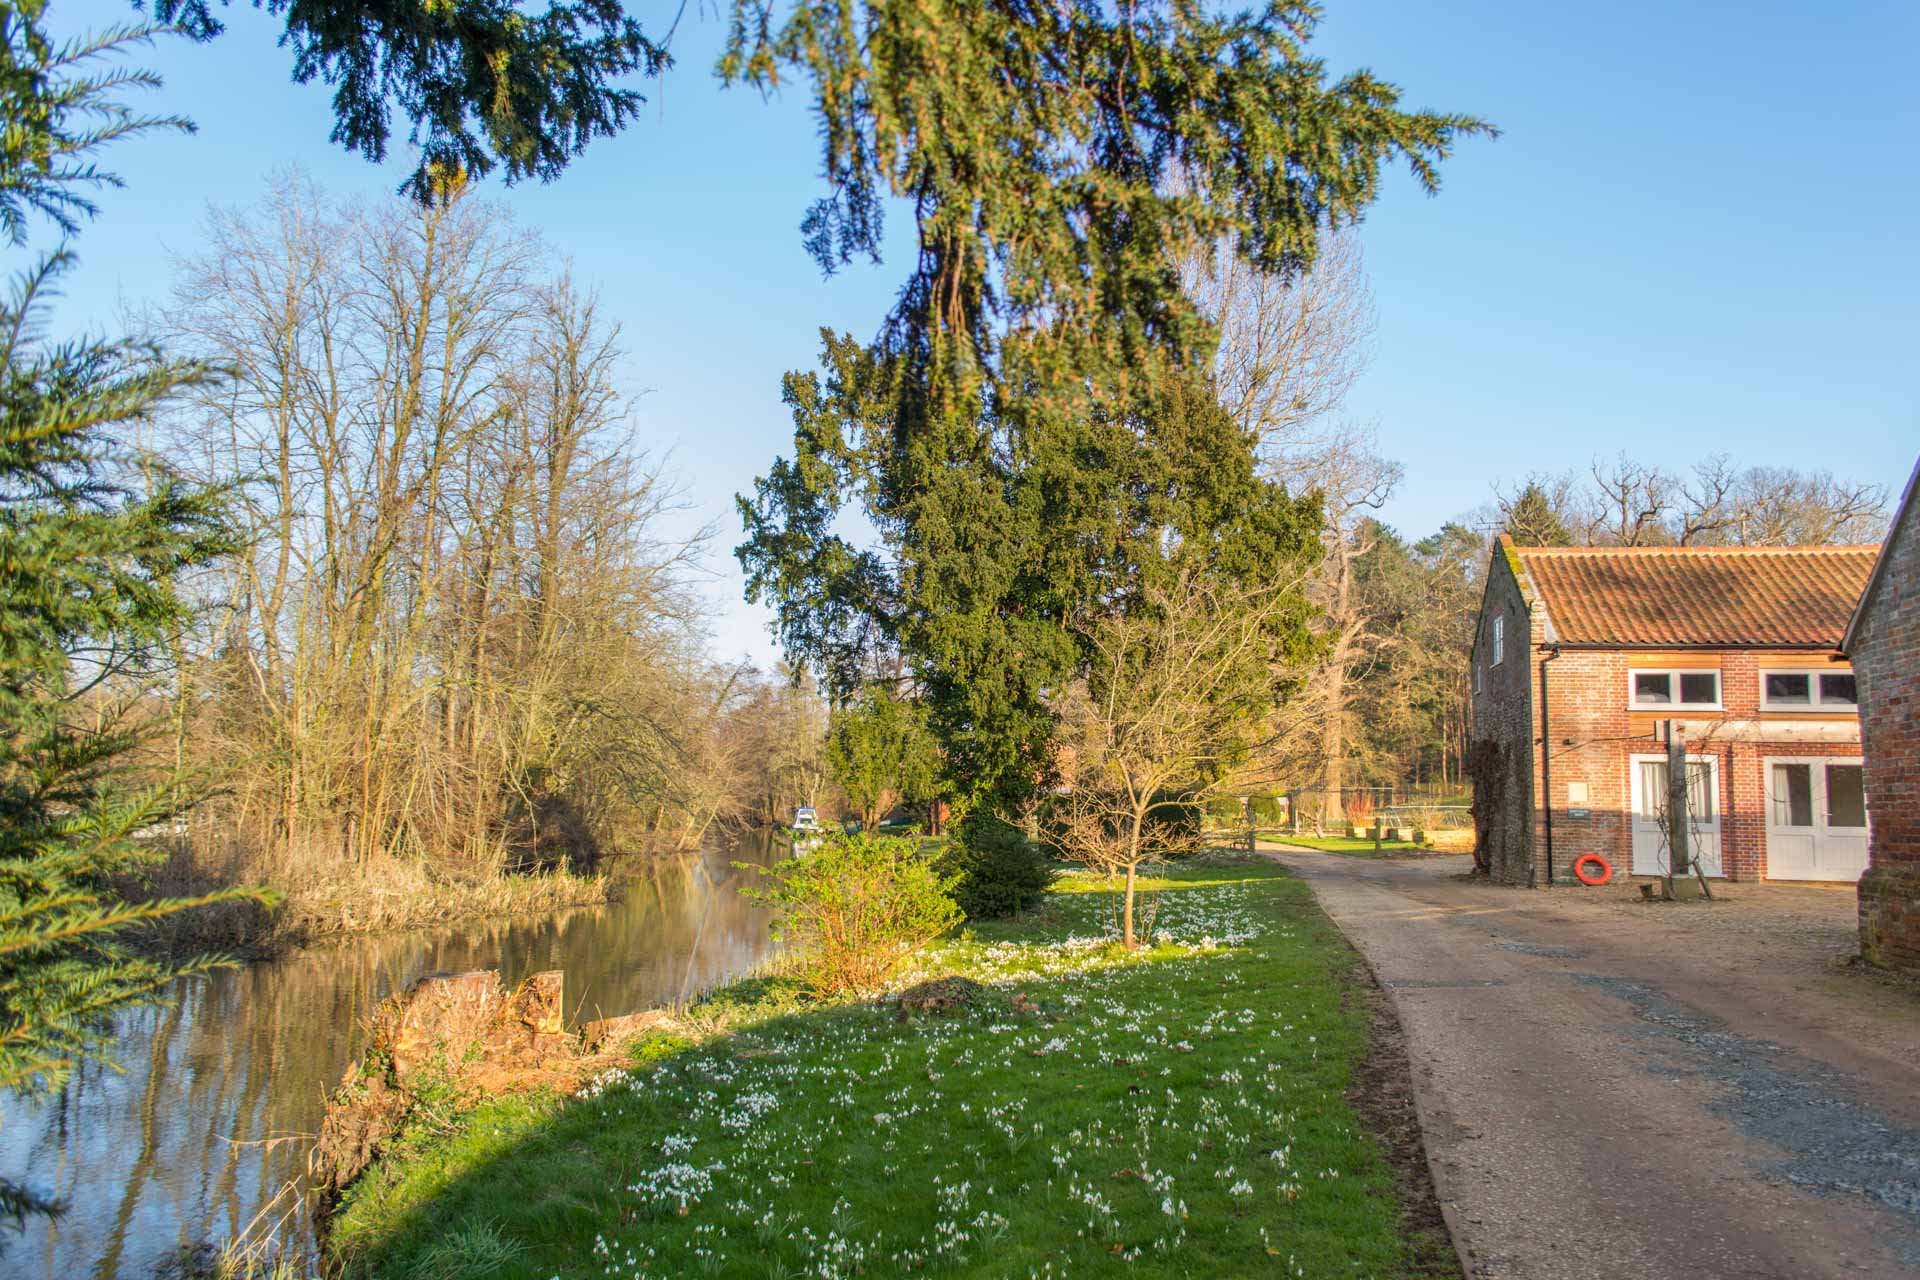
(220, 1092)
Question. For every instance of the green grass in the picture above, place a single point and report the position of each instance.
(1179, 1111)
(1349, 844)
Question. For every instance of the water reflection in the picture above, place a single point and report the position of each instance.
(210, 1117)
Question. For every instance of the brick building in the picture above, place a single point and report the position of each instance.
(1581, 653)
(1883, 640)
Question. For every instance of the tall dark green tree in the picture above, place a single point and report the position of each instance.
(1533, 521)
(480, 83)
(94, 535)
(1069, 519)
(1036, 411)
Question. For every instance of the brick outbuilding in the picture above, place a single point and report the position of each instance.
(1582, 653)
(1883, 640)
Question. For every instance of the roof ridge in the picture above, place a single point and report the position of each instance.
(1797, 548)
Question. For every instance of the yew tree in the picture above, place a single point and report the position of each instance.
(1033, 425)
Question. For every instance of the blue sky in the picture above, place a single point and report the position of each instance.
(1696, 235)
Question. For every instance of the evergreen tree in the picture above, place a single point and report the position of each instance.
(997, 870)
(1036, 417)
(93, 538)
(481, 82)
(880, 753)
(1532, 521)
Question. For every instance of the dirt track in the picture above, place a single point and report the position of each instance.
(1622, 1090)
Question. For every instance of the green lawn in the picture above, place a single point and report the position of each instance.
(1175, 1112)
(1348, 844)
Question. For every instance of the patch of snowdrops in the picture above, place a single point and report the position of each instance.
(1130, 1112)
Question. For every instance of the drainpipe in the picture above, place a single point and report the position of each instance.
(1546, 758)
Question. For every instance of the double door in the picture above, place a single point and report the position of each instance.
(1648, 795)
(1816, 818)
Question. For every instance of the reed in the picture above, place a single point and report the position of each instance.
(325, 898)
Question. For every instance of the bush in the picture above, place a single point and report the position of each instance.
(854, 907)
(997, 870)
(1175, 825)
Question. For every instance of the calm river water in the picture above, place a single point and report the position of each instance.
(220, 1092)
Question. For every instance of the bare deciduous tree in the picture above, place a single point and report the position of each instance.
(1290, 350)
(1628, 503)
(1173, 709)
(461, 632)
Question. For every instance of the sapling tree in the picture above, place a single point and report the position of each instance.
(1170, 713)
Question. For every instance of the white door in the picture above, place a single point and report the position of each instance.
(1816, 819)
(1647, 785)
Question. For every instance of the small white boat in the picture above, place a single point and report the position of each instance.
(806, 830)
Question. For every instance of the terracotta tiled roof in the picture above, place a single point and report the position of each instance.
(1709, 596)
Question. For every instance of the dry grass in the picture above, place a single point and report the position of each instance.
(336, 897)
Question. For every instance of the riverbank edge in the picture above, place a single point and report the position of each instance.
(387, 898)
(1381, 1094)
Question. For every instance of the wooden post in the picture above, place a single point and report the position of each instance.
(1676, 801)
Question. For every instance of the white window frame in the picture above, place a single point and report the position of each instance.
(1499, 638)
(1719, 684)
(1814, 706)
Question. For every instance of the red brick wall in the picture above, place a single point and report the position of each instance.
(1886, 656)
(1587, 703)
(1594, 736)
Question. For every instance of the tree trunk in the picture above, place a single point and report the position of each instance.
(1333, 749)
(1133, 867)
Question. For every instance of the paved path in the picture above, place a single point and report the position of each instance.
(1614, 1090)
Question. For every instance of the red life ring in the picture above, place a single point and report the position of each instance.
(1599, 872)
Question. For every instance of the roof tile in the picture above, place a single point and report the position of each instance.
(1709, 596)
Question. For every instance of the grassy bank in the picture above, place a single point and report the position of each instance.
(1179, 1111)
(340, 898)
(1350, 844)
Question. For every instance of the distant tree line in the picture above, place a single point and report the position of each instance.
(1386, 701)
(1627, 503)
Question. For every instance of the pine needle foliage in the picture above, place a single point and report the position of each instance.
(87, 602)
(94, 535)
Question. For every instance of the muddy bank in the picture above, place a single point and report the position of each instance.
(451, 1040)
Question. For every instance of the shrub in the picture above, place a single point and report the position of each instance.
(999, 872)
(1175, 826)
(854, 907)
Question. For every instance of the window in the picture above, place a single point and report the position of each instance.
(1701, 800)
(1808, 691)
(1499, 638)
(1476, 677)
(1846, 795)
(1667, 690)
(1792, 795)
(1816, 795)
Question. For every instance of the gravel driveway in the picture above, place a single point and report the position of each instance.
(1613, 1089)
